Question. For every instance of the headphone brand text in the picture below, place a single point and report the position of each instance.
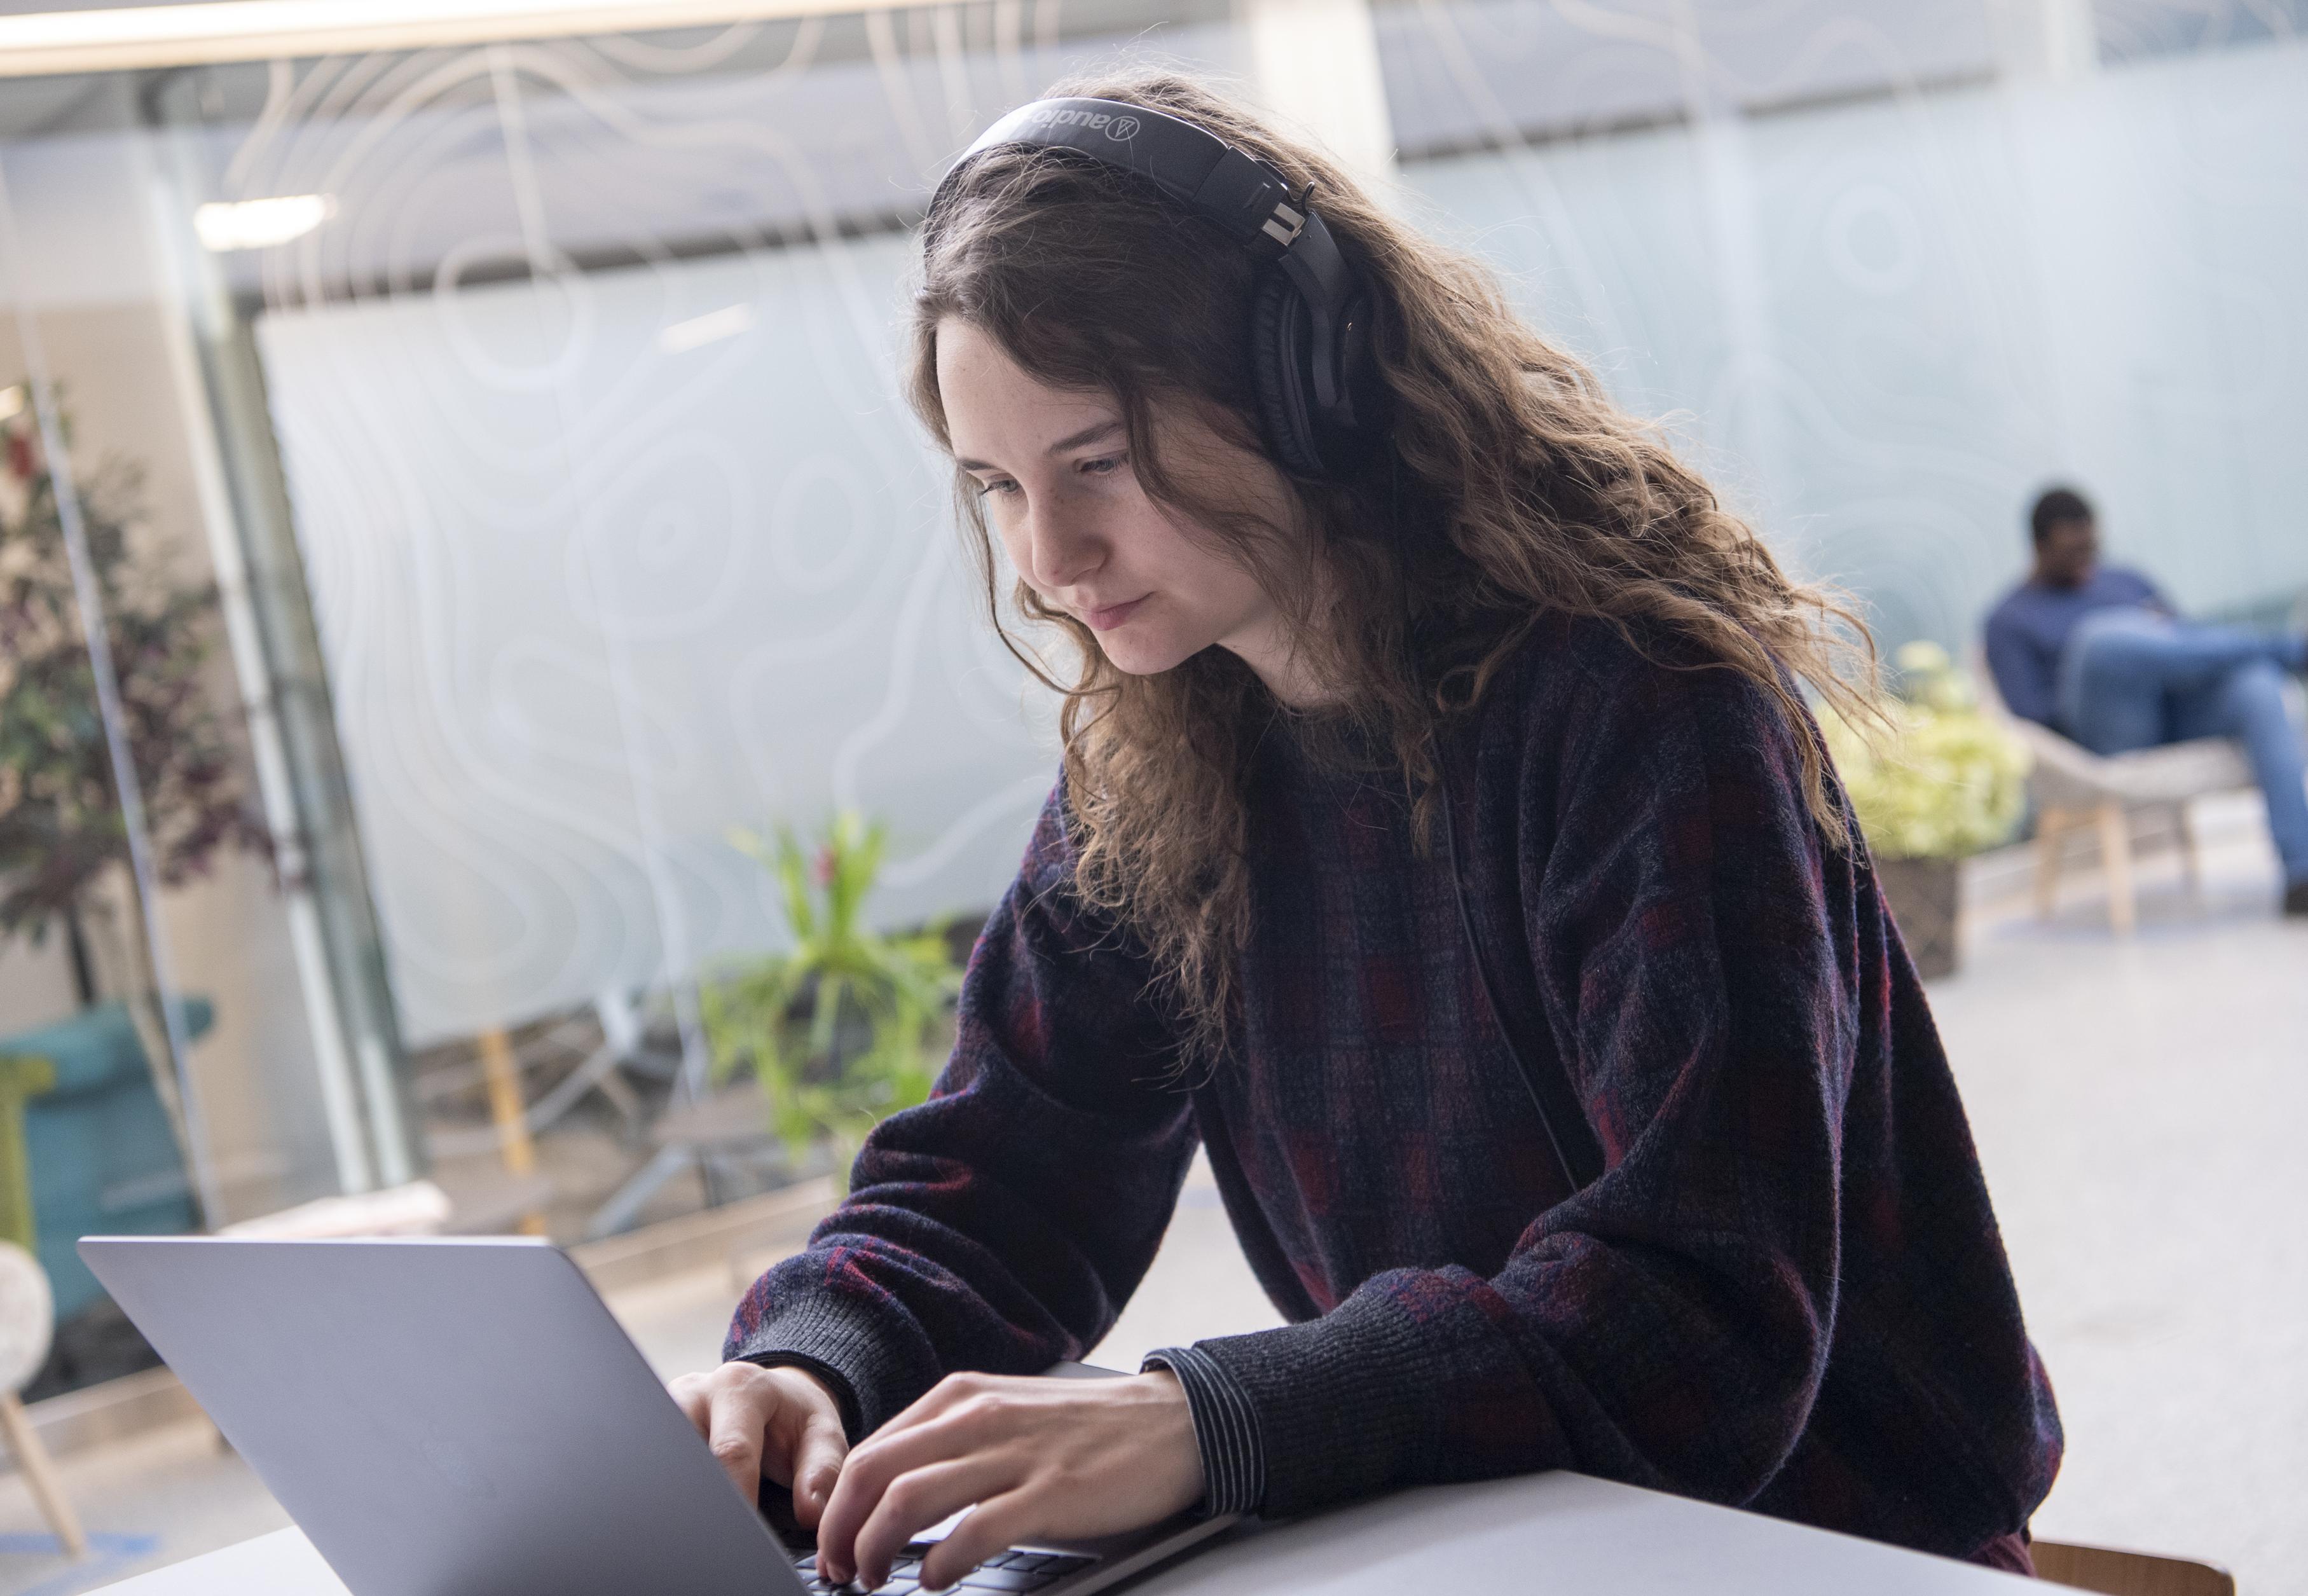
(1117, 128)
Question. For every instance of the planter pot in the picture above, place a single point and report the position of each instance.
(1921, 895)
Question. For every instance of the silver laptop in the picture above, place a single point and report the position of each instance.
(451, 1417)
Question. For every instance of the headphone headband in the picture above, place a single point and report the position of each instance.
(1318, 389)
(1249, 200)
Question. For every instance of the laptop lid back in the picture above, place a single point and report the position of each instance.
(446, 1417)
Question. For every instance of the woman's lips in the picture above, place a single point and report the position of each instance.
(1114, 615)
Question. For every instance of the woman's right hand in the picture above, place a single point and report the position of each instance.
(781, 1424)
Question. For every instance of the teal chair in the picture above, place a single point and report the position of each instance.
(96, 1155)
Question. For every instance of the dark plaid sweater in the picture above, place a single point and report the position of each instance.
(1786, 1292)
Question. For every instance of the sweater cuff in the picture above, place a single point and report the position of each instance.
(1377, 1394)
(840, 1344)
(1226, 1430)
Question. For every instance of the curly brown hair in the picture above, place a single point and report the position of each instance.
(1513, 487)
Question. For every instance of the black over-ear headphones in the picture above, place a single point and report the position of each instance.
(1320, 399)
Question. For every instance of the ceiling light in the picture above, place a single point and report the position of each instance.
(227, 225)
(711, 327)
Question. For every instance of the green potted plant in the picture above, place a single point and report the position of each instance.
(64, 841)
(1939, 781)
(835, 1029)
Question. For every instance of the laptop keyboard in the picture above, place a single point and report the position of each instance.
(1004, 1571)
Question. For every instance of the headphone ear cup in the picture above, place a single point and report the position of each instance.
(1358, 369)
(1280, 328)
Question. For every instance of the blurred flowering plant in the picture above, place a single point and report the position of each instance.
(1943, 779)
(836, 1028)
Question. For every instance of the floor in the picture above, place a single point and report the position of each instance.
(2138, 1112)
(2137, 1109)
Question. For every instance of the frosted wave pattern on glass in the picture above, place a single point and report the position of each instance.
(750, 531)
(618, 533)
(1885, 325)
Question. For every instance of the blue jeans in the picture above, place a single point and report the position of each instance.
(2131, 678)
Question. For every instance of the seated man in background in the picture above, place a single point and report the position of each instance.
(2099, 655)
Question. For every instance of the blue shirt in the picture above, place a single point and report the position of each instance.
(2027, 631)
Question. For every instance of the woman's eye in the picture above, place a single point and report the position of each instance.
(1102, 468)
(1000, 487)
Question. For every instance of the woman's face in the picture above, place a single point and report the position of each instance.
(1053, 465)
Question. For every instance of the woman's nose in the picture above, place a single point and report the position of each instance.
(1063, 550)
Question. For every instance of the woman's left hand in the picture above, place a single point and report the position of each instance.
(1042, 1459)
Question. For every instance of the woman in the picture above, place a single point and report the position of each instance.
(1512, 638)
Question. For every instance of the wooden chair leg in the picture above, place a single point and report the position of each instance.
(512, 1118)
(2115, 859)
(2191, 867)
(40, 1474)
(2051, 835)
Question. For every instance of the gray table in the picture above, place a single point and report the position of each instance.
(1542, 1532)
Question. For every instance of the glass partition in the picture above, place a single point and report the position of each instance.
(1892, 267)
